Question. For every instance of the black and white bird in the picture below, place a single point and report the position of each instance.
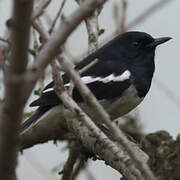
(121, 77)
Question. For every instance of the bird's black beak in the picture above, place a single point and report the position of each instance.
(158, 41)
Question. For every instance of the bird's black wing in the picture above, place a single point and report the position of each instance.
(101, 91)
(109, 62)
(95, 79)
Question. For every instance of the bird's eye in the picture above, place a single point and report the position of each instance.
(136, 43)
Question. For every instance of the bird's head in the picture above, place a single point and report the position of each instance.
(133, 45)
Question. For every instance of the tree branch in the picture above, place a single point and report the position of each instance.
(120, 16)
(40, 9)
(92, 27)
(74, 153)
(12, 110)
(57, 16)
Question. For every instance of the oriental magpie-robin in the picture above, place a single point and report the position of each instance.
(121, 78)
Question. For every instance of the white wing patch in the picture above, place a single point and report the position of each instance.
(48, 90)
(89, 79)
(124, 76)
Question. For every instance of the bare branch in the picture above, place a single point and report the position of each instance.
(4, 40)
(92, 27)
(73, 156)
(57, 16)
(12, 110)
(81, 165)
(88, 66)
(120, 19)
(40, 9)
(37, 24)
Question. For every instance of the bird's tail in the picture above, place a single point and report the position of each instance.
(39, 112)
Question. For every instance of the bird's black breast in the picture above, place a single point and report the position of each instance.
(142, 73)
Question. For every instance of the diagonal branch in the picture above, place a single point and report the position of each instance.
(155, 7)
(52, 47)
(57, 17)
(74, 153)
(40, 9)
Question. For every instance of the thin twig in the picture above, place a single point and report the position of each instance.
(148, 12)
(3, 51)
(40, 9)
(78, 168)
(120, 19)
(169, 93)
(68, 167)
(37, 24)
(37, 47)
(88, 66)
(57, 16)
(4, 40)
(93, 31)
(71, 87)
(92, 27)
